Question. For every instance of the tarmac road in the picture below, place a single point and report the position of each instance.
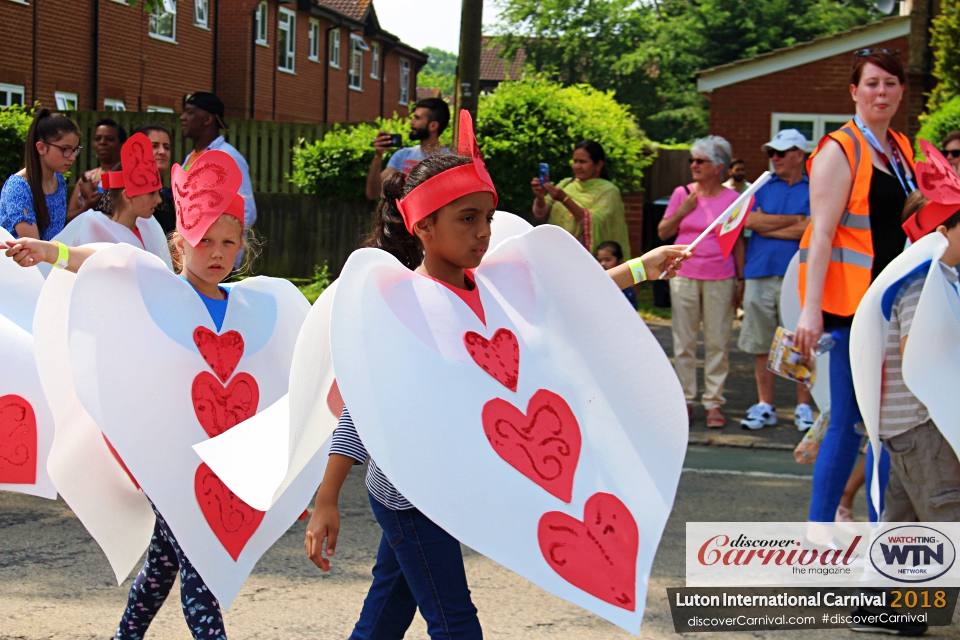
(55, 583)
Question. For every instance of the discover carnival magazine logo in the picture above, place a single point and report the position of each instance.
(802, 554)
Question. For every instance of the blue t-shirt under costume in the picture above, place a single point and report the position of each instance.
(16, 206)
(405, 159)
(771, 256)
(216, 308)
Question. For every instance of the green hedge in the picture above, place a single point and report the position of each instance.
(14, 123)
(936, 125)
(520, 125)
(535, 120)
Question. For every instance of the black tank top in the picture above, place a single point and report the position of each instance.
(886, 199)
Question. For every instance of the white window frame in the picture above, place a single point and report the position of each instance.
(355, 72)
(9, 90)
(152, 108)
(287, 23)
(334, 53)
(313, 41)
(64, 100)
(201, 13)
(109, 104)
(23, 2)
(819, 121)
(404, 81)
(263, 24)
(375, 60)
(167, 7)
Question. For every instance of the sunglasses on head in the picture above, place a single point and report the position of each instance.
(863, 53)
(779, 154)
(700, 161)
(950, 153)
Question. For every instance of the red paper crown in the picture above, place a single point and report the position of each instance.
(205, 192)
(139, 173)
(941, 186)
(444, 188)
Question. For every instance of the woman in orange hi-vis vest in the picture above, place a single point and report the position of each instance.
(860, 176)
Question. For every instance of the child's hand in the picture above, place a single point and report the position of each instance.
(665, 259)
(324, 524)
(27, 252)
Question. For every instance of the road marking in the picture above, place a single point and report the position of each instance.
(760, 474)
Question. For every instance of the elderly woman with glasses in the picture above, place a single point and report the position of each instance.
(710, 287)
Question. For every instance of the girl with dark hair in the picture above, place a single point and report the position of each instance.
(108, 137)
(33, 203)
(588, 205)
(436, 222)
(165, 213)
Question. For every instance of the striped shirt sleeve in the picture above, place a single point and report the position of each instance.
(346, 440)
(907, 306)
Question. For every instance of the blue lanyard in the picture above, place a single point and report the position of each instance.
(895, 163)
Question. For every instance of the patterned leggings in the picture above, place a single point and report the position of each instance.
(152, 585)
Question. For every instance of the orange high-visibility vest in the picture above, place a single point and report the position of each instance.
(851, 258)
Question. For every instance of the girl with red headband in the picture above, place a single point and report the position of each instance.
(151, 403)
(436, 222)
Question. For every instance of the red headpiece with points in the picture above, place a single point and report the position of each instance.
(941, 185)
(205, 192)
(444, 188)
(139, 173)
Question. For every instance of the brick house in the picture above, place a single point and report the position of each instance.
(806, 87)
(304, 60)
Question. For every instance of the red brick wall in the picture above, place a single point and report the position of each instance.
(741, 112)
(633, 212)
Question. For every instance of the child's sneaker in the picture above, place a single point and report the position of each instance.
(803, 417)
(759, 416)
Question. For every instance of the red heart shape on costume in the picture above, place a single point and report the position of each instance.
(117, 457)
(219, 408)
(221, 352)
(499, 356)
(18, 441)
(598, 555)
(231, 519)
(543, 444)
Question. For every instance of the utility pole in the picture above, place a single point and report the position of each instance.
(468, 64)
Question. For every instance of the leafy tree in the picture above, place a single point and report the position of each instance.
(440, 70)
(944, 36)
(648, 52)
(14, 123)
(935, 125)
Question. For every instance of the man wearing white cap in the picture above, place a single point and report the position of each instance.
(780, 216)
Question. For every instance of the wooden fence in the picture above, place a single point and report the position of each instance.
(670, 169)
(267, 146)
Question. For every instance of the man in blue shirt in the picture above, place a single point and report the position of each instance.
(429, 119)
(780, 216)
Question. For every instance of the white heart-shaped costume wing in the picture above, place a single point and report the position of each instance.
(417, 398)
(88, 476)
(790, 313)
(21, 289)
(94, 227)
(931, 359)
(251, 459)
(868, 337)
(135, 335)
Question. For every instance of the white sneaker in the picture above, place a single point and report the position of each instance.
(759, 416)
(803, 417)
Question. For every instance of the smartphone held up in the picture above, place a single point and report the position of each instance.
(544, 173)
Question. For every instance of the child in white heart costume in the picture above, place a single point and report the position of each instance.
(435, 422)
(190, 360)
(125, 213)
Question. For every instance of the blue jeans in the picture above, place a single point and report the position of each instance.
(418, 565)
(841, 443)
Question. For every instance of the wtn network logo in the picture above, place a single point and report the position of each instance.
(912, 553)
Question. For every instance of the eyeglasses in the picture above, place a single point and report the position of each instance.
(68, 152)
(779, 154)
(863, 53)
(950, 153)
(700, 161)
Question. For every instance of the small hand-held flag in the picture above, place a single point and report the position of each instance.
(736, 215)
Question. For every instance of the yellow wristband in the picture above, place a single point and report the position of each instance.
(638, 270)
(63, 257)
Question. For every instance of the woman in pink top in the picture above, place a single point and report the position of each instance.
(710, 286)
